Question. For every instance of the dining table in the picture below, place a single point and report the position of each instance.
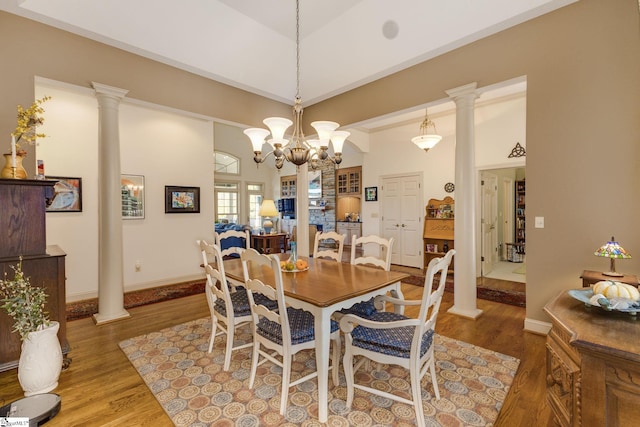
(324, 288)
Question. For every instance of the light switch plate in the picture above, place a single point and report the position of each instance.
(539, 222)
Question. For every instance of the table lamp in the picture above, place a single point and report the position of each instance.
(268, 210)
(612, 250)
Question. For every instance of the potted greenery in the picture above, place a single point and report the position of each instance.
(41, 356)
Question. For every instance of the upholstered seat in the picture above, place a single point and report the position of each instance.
(300, 324)
(395, 339)
(240, 303)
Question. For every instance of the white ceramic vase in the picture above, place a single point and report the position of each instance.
(40, 361)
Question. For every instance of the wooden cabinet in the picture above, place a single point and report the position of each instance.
(348, 181)
(520, 217)
(46, 271)
(593, 365)
(23, 234)
(349, 229)
(288, 186)
(438, 233)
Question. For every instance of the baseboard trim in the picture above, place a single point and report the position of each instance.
(89, 307)
(536, 326)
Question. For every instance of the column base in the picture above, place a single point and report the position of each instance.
(469, 314)
(101, 319)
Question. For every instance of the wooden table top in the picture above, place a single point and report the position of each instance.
(602, 331)
(326, 282)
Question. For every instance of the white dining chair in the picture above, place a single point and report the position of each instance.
(395, 339)
(220, 298)
(285, 330)
(368, 246)
(238, 236)
(382, 247)
(335, 239)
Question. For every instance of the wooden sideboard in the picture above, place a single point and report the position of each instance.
(47, 271)
(23, 234)
(593, 365)
(592, 277)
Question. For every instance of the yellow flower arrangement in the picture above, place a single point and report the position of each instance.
(28, 120)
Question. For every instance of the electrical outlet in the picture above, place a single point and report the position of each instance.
(539, 222)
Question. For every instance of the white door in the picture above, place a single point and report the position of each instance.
(402, 210)
(489, 221)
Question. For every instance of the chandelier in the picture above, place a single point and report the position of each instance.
(426, 140)
(298, 150)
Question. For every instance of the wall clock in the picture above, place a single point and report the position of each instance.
(449, 187)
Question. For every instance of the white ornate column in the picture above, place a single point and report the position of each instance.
(110, 263)
(465, 218)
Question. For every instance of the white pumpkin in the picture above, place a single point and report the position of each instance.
(614, 289)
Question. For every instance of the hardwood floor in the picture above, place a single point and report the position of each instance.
(101, 387)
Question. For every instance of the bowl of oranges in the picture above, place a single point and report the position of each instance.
(289, 266)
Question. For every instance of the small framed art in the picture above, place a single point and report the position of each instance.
(132, 189)
(371, 194)
(181, 199)
(66, 196)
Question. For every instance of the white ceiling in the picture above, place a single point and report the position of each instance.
(250, 44)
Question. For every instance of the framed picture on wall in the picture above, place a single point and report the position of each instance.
(371, 194)
(132, 189)
(66, 196)
(181, 199)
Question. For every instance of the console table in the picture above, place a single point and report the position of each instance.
(270, 243)
(592, 277)
(593, 365)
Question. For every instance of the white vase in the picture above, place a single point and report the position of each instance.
(40, 361)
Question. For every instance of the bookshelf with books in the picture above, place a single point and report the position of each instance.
(438, 229)
(520, 220)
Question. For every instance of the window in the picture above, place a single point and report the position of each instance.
(226, 163)
(255, 193)
(226, 195)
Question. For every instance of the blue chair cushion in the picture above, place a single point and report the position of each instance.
(362, 309)
(300, 324)
(394, 341)
(240, 303)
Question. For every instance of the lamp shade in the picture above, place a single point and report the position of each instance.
(257, 136)
(337, 139)
(612, 250)
(278, 126)
(268, 208)
(426, 142)
(324, 130)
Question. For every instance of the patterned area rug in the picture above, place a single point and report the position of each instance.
(193, 389)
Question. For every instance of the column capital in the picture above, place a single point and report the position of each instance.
(111, 91)
(463, 91)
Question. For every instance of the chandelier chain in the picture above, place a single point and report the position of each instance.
(297, 48)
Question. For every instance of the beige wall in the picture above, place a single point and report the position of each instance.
(582, 64)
